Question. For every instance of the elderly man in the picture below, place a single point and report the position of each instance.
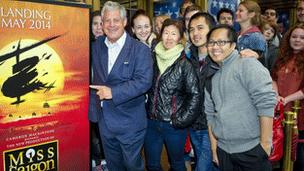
(122, 69)
(239, 104)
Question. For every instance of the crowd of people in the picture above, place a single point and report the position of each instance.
(197, 78)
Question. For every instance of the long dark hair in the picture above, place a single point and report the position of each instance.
(93, 14)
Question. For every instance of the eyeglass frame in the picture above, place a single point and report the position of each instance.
(219, 43)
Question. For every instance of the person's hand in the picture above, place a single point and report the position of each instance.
(286, 100)
(281, 99)
(248, 53)
(267, 147)
(103, 92)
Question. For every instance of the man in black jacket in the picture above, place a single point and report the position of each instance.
(199, 26)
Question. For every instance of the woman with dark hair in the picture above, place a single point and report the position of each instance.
(96, 150)
(288, 79)
(173, 100)
(142, 28)
(96, 25)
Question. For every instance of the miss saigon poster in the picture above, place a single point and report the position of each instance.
(44, 77)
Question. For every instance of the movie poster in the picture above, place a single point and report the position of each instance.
(44, 80)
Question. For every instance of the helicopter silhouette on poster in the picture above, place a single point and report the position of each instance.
(24, 74)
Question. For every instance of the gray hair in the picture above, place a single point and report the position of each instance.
(111, 6)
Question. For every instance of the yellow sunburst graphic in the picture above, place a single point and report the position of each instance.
(40, 64)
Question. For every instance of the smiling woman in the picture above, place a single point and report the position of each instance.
(248, 15)
(288, 79)
(96, 25)
(172, 101)
(142, 27)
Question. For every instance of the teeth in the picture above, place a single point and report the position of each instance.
(216, 53)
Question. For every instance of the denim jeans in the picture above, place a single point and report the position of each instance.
(123, 151)
(202, 150)
(158, 134)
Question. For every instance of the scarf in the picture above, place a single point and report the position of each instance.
(166, 57)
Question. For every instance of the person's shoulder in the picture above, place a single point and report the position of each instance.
(250, 63)
(258, 35)
(137, 44)
(247, 59)
(99, 40)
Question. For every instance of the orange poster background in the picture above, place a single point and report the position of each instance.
(67, 120)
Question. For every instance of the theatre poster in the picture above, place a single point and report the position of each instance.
(44, 77)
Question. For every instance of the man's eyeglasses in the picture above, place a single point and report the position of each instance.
(219, 43)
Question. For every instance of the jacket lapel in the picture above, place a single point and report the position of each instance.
(123, 56)
(104, 60)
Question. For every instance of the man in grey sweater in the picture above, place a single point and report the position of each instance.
(240, 108)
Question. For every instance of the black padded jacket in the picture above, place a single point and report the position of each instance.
(175, 95)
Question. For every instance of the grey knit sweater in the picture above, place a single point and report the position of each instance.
(241, 92)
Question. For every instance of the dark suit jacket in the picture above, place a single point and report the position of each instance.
(129, 79)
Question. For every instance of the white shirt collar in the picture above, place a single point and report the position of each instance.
(120, 42)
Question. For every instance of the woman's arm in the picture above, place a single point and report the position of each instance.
(299, 95)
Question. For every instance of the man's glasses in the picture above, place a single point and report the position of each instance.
(218, 43)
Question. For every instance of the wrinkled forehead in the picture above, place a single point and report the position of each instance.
(112, 13)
